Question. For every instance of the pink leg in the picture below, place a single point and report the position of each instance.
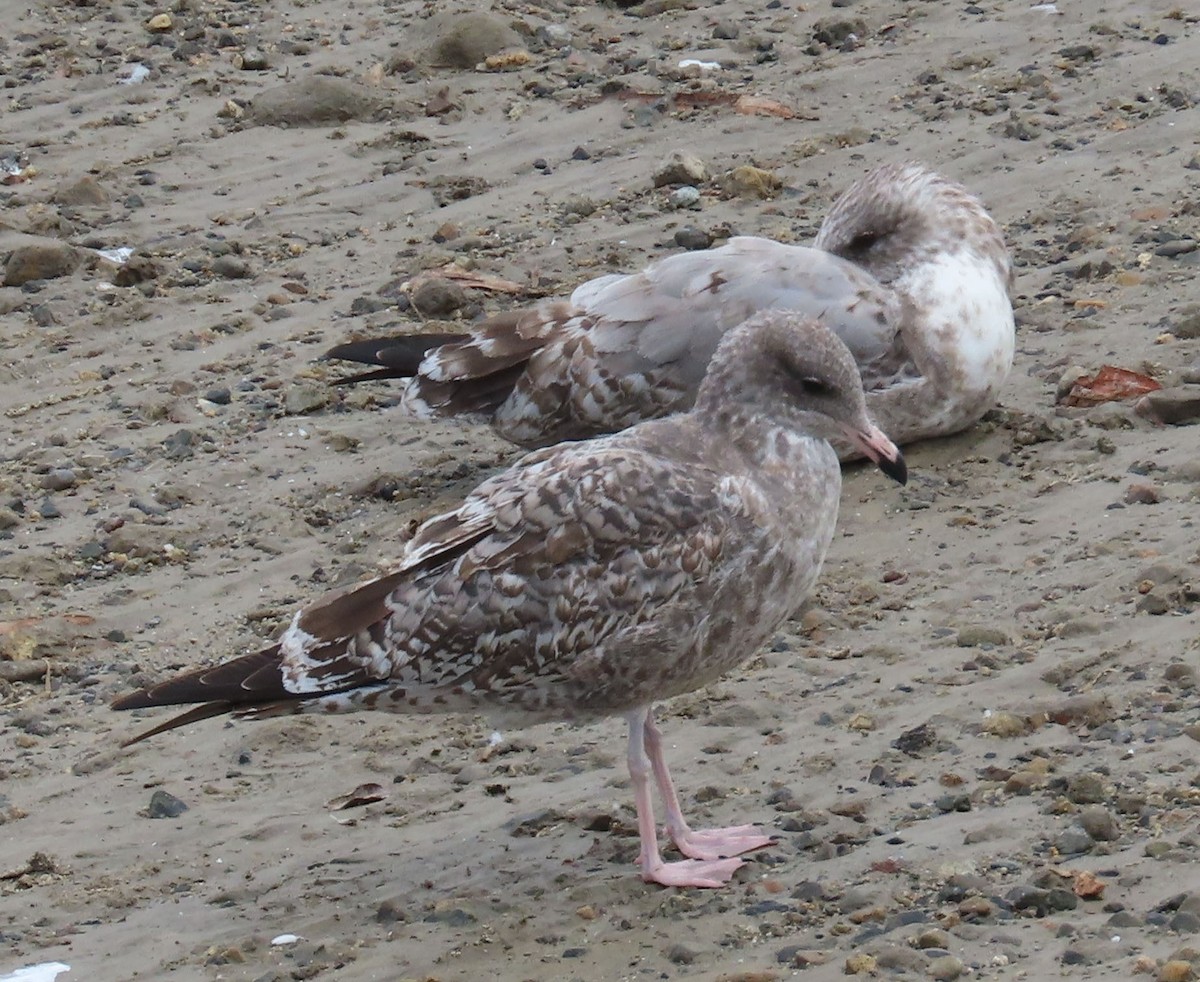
(687, 873)
(703, 843)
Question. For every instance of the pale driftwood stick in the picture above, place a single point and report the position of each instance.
(24, 671)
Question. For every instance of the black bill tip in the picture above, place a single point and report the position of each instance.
(896, 469)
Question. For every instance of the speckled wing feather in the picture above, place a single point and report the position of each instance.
(530, 615)
(629, 348)
(518, 599)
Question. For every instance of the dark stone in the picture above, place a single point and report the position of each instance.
(91, 550)
(1029, 898)
(919, 738)
(163, 804)
(1185, 922)
(1178, 406)
(680, 955)
(369, 305)
(452, 917)
(29, 263)
(231, 268)
(180, 444)
(692, 238)
(438, 297)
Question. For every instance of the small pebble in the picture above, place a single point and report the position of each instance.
(685, 197)
(1073, 841)
(1099, 823)
(438, 297)
(59, 479)
(680, 955)
(692, 238)
(231, 268)
(946, 968)
(1085, 789)
(163, 804)
(680, 168)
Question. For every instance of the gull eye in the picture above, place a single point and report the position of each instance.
(814, 387)
(860, 244)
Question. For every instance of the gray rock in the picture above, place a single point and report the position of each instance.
(451, 916)
(437, 297)
(693, 238)
(91, 550)
(1099, 823)
(82, 193)
(1030, 898)
(976, 636)
(1073, 841)
(933, 937)
(554, 35)
(680, 168)
(180, 444)
(1086, 789)
(142, 541)
(1185, 922)
(253, 60)
(1188, 324)
(59, 479)
(318, 100)
(680, 955)
(40, 261)
(305, 397)
(579, 204)
(231, 268)
(1177, 406)
(1176, 247)
(685, 197)
(946, 968)
(1062, 899)
(163, 804)
(389, 912)
(464, 40)
(1066, 381)
(900, 960)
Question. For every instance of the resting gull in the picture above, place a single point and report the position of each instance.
(595, 578)
(908, 268)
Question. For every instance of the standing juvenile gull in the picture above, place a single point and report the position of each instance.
(595, 578)
(908, 269)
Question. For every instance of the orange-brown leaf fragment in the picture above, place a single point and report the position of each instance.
(757, 105)
(1088, 886)
(1110, 384)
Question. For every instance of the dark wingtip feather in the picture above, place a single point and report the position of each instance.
(399, 357)
(193, 715)
(253, 678)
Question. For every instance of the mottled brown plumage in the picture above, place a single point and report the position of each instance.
(908, 269)
(595, 578)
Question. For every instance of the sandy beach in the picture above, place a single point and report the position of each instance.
(978, 744)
